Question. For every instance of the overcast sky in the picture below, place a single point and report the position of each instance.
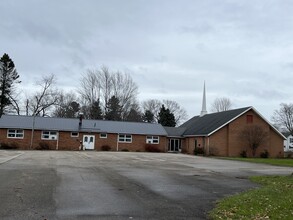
(242, 49)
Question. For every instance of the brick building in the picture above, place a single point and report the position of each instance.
(221, 133)
(215, 134)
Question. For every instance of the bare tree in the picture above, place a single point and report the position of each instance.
(47, 96)
(102, 85)
(67, 106)
(283, 117)
(221, 104)
(254, 136)
(179, 113)
(126, 91)
(89, 87)
(154, 106)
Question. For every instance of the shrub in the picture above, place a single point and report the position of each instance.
(105, 148)
(152, 148)
(125, 150)
(8, 146)
(290, 155)
(198, 150)
(43, 146)
(243, 154)
(264, 154)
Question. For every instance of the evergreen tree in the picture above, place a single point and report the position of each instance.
(148, 116)
(96, 111)
(8, 77)
(113, 112)
(166, 118)
(134, 115)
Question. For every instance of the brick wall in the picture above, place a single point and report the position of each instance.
(227, 141)
(67, 142)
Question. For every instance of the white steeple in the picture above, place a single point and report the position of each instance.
(204, 104)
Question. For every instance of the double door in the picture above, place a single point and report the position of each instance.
(174, 145)
(88, 142)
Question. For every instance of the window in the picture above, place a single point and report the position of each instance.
(125, 138)
(152, 140)
(290, 140)
(12, 133)
(103, 135)
(74, 134)
(249, 119)
(49, 135)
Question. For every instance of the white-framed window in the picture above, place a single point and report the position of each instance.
(49, 135)
(103, 135)
(15, 133)
(74, 134)
(290, 140)
(125, 138)
(152, 139)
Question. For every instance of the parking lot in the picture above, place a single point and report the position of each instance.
(118, 185)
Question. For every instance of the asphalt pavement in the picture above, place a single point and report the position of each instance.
(118, 185)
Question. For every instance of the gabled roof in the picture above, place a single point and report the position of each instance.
(210, 123)
(72, 124)
(175, 131)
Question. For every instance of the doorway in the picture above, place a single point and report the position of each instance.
(88, 142)
(174, 145)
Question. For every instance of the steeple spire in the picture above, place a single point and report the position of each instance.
(204, 104)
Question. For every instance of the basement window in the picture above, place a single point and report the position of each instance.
(152, 140)
(125, 138)
(14, 133)
(49, 135)
(103, 135)
(74, 134)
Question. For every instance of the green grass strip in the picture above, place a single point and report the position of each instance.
(272, 161)
(273, 200)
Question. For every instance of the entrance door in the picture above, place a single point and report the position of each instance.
(174, 145)
(88, 142)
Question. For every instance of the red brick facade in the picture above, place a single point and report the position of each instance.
(66, 142)
(227, 141)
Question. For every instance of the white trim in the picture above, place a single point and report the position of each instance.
(230, 121)
(150, 139)
(105, 136)
(125, 138)
(15, 133)
(269, 123)
(50, 135)
(74, 135)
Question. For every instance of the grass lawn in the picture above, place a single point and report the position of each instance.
(274, 200)
(272, 161)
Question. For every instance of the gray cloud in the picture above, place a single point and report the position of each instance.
(242, 49)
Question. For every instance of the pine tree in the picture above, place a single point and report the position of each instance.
(96, 111)
(113, 112)
(8, 77)
(148, 116)
(166, 118)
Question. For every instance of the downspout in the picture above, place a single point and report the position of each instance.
(57, 144)
(208, 146)
(33, 130)
(117, 147)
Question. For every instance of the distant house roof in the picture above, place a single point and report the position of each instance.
(209, 123)
(72, 124)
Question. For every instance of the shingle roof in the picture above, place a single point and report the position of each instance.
(205, 125)
(72, 124)
(175, 131)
